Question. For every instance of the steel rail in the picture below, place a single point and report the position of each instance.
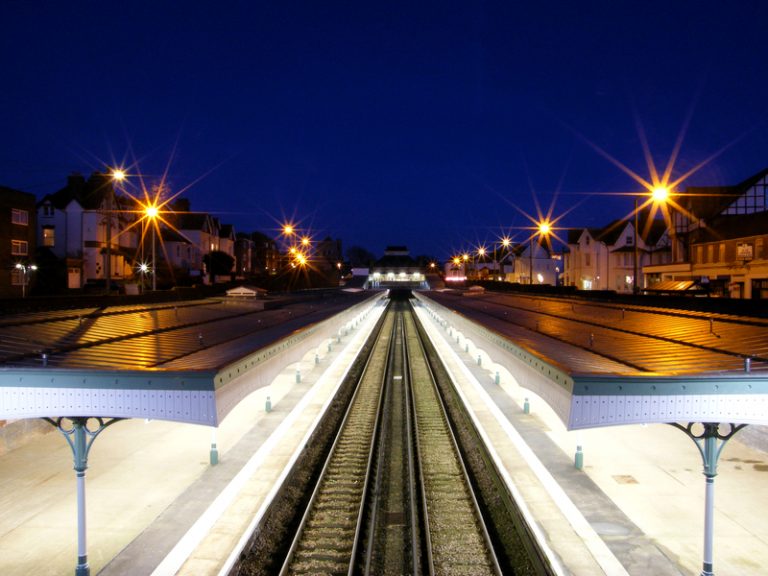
(431, 384)
(330, 460)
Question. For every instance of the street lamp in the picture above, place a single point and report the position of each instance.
(25, 270)
(659, 196)
(118, 175)
(151, 212)
(480, 254)
(543, 229)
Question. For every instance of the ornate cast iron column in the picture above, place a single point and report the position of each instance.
(80, 439)
(710, 442)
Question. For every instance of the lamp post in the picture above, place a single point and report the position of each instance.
(480, 254)
(659, 195)
(635, 287)
(542, 231)
(505, 244)
(25, 270)
(118, 175)
(151, 215)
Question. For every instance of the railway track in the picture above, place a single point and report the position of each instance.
(394, 496)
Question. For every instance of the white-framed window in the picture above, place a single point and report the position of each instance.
(48, 210)
(19, 248)
(49, 236)
(20, 217)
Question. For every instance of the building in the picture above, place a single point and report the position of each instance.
(243, 255)
(87, 228)
(396, 269)
(719, 237)
(327, 255)
(533, 263)
(265, 254)
(610, 258)
(18, 242)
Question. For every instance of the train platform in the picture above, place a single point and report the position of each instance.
(156, 505)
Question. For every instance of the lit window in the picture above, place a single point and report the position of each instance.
(20, 217)
(19, 248)
(49, 236)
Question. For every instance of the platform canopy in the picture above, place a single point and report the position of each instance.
(186, 361)
(598, 365)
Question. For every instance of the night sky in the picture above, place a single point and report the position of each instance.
(416, 123)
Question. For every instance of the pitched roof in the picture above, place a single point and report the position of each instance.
(89, 193)
(706, 202)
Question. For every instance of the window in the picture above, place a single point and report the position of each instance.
(49, 236)
(630, 240)
(759, 248)
(710, 253)
(17, 277)
(19, 248)
(721, 252)
(48, 210)
(587, 259)
(20, 217)
(753, 200)
(699, 254)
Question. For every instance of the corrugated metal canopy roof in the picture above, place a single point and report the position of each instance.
(600, 338)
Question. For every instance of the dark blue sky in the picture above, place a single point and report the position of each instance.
(416, 123)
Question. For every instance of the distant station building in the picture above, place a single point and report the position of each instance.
(396, 269)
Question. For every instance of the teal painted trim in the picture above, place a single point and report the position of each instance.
(721, 384)
(106, 379)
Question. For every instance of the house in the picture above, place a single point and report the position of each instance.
(86, 226)
(612, 257)
(534, 262)
(243, 255)
(195, 236)
(719, 237)
(18, 242)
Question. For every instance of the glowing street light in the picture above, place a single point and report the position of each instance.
(25, 270)
(660, 194)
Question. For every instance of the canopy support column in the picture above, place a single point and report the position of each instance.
(80, 439)
(710, 442)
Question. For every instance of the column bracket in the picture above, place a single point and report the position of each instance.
(710, 442)
(80, 439)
